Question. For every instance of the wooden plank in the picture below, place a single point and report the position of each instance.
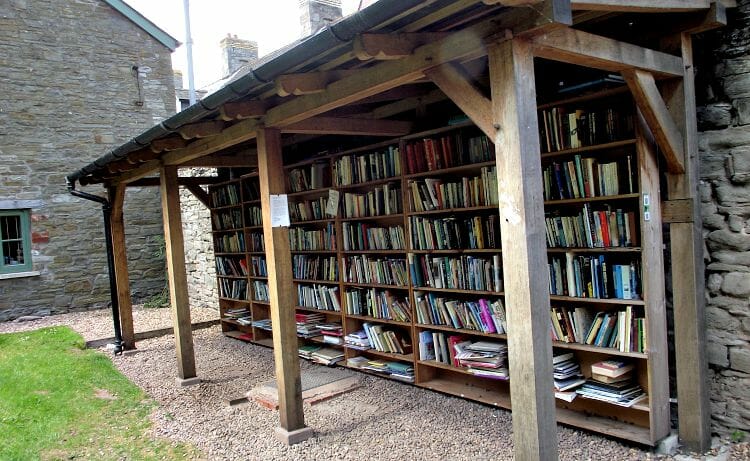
(392, 46)
(641, 6)
(178, 287)
(247, 159)
(688, 282)
(182, 181)
(406, 104)
(200, 194)
(590, 50)
(456, 83)
(309, 82)
(524, 252)
(668, 137)
(201, 129)
(349, 126)
(653, 285)
(120, 257)
(240, 110)
(282, 296)
(677, 210)
(167, 144)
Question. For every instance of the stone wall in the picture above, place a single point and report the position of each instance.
(723, 90)
(78, 80)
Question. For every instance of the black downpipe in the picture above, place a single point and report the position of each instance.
(107, 212)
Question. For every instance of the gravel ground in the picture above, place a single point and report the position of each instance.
(382, 420)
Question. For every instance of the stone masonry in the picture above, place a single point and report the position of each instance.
(316, 14)
(724, 120)
(78, 79)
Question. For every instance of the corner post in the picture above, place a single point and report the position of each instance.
(524, 252)
(178, 292)
(279, 262)
(119, 253)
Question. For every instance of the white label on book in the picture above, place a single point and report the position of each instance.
(279, 211)
(332, 207)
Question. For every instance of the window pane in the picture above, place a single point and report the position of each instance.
(10, 228)
(13, 253)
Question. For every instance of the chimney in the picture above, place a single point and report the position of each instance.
(237, 53)
(177, 74)
(316, 14)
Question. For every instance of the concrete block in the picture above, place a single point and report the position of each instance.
(668, 445)
(187, 381)
(293, 437)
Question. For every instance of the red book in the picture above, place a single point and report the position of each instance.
(410, 158)
(605, 228)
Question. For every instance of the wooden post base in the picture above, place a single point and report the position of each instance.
(293, 437)
(187, 381)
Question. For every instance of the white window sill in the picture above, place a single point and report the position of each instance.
(18, 275)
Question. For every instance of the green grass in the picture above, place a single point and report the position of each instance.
(61, 401)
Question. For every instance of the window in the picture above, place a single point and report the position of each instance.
(15, 241)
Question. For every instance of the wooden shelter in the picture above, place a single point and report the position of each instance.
(379, 73)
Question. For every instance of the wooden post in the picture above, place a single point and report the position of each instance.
(688, 272)
(519, 173)
(117, 200)
(178, 293)
(279, 262)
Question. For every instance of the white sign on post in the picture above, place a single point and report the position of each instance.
(279, 211)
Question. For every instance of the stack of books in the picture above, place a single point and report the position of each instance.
(612, 381)
(566, 374)
(484, 358)
(397, 370)
(241, 315)
(263, 324)
(307, 324)
(332, 333)
(307, 350)
(357, 340)
(327, 356)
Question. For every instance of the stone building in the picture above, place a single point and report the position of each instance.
(79, 78)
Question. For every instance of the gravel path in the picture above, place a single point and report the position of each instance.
(382, 420)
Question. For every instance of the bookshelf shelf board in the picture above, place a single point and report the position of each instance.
(252, 202)
(459, 251)
(236, 334)
(234, 300)
(229, 253)
(311, 221)
(383, 375)
(600, 94)
(572, 299)
(224, 207)
(366, 318)
(374, 252)
(451, 170)
(386, 355)
(309, 193)
(605, 198)
(596, 250)
(258, 277)
(577, 150)
(256, 253)
(241, 277)
(376, 285)
(221, 231)
(315, 339)
(261, 302)
(462, 331)
(313, 252)
(640, 406)
(319, 282)
(394, 216)
(454, 210)
(604, 425)
(489, 396)
(440, 130)
(251, 228)
(232, 321)
(457, 290)
(265, 342)
(598, 350)
(309, 161)
(313, 309)
(375, 182)
(445, 366)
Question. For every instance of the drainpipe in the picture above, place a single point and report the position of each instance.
(107, 212)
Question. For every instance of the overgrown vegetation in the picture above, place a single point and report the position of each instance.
(160, 299)
(61, 401)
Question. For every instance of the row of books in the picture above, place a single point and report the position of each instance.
(302, 239)
(236, 267)
(588, 177)
(371, 270)
(384, 340)
(323, 297)
(362, 237)
(563, 128)
(251, 189)
(308, 210)
(315, 267)
(380, 201)
(476, 232)
(260, 291)
(481, 358)
(233, 289)
(254, 216)
(397, 370)
(258, 266)
(430, 154)
(457, 272)
(438, 194)
(372, 166)
(227, 219)
(482, 315)
(592, 229)
(230, 243)
(379, 304)
(308, 177)
(623, 329)
(255, 241)
(225, 195)
(593, 277)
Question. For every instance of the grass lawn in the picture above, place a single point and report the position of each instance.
(61, 401)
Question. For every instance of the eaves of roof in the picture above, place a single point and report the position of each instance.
(152, 29)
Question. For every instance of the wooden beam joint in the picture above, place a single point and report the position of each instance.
(242, 109)
(201, 129)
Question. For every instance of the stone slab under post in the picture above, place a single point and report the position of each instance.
(187, 381)
(293, 437)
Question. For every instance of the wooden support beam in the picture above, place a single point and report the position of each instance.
(233, 135)
(524, 253)
(168, 144)
(120, 257)
(512, 2)
(659, 120)
(241, 110)
(282, 297)
(688, 271)
(201, 129)
(392, 46)
(308, 83)
(590, 50)
(404, 105)
(349, 126)
(457, 84)
(677, 210)
(178, 287)
(245, 160)
(641, 6)
(200, 194)
(182, 181)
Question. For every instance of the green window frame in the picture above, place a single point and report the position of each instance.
(15, 241)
